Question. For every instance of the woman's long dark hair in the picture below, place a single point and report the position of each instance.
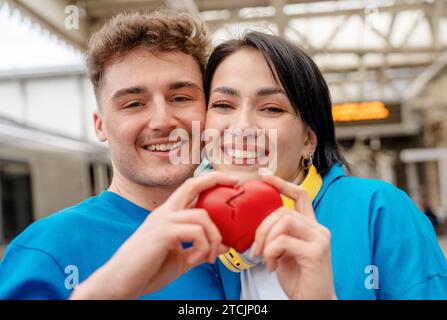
(302, 81)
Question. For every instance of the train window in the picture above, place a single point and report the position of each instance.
(100, 175)
(16, 210)
(91, 174)
(109, 174)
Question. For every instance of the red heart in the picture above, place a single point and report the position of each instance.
(238, 211)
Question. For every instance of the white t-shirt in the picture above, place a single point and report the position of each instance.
(257, 283)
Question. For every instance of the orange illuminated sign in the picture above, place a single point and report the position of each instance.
(360, 111)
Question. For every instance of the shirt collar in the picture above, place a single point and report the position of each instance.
(124, 206)
(336, 172)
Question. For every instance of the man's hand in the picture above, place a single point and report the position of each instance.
(296, 246)
(153, 256)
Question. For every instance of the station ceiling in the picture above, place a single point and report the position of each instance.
(370, 45)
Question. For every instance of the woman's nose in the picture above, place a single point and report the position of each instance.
(243, 121)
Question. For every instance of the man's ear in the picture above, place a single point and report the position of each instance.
(311, 140)
(99, 126)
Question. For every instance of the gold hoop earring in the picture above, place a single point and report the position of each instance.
(307, 163)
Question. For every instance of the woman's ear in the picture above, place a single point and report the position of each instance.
(99, 126)
(310, 141)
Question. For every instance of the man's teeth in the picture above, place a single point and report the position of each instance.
(242, 154)
(164, 146)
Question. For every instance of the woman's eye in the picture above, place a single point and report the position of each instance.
(221, 106)
(273, 110)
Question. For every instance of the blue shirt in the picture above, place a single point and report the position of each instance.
(382, 247)
(40, 263)
(376, 229)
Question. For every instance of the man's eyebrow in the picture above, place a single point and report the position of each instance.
(269, 91)
(184, 84)
(227, 90)
(127, 91)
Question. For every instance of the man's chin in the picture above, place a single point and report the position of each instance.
(168, 177)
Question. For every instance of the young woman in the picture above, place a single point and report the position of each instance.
(356, 238)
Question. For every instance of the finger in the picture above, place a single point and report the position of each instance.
(282, 246)
(193, 203)
(223, 249)
(187, 192)
(295, 192)
(194, 234)
(192, 257)
(294, 225)
(201, 217)
(263, 229)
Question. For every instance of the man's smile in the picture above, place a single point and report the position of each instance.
(163, 147)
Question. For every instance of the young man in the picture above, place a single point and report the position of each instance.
(146, 70)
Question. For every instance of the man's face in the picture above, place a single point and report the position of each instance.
(144, 96)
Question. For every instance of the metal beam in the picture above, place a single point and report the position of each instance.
(384, 50)
(384, 130)
(280, 17)
(304, 40)
(51, 15)
(105, 9)
(410, 31)
(205, 5)
(434, 20)
(189, 6)
(420, 83)
(327, 13)
(27, 136)
(335, 32)
(43, 73)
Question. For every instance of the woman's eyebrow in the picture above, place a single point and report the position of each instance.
(227, 90)
(269, 91)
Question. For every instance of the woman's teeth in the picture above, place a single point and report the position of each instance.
(242, 154)
(164, 147)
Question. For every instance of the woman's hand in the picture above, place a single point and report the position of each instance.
(296, 246)
(153, 256)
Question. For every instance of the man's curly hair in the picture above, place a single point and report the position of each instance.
(159, 30)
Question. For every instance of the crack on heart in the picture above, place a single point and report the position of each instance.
(233, 211)
(241, 191)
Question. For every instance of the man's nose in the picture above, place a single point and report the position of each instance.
(161, 117)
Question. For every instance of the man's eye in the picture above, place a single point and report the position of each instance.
(181, 99)
(133, 105)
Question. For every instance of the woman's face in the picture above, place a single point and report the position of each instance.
(244, 97)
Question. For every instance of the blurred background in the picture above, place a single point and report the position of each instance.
(385, 62)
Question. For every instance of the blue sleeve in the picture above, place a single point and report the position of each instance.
(409, 261)
(31, 274)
